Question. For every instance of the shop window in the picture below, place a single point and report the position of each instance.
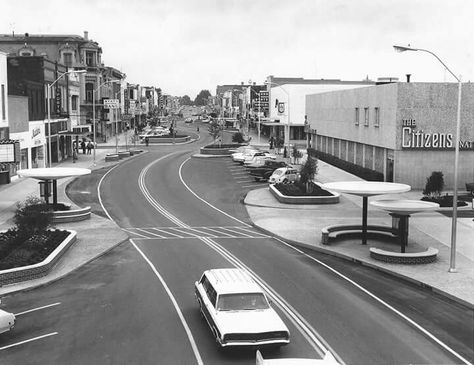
(366, 116)
(356, 116)
(377, 117)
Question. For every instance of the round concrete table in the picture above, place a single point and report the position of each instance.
(52, 174)
(366, 189)
(402, 209)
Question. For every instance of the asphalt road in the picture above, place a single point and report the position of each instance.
(136, 304)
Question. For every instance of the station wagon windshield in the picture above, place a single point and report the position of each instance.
(247, 301)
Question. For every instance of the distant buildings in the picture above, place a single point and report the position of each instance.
(32, 64)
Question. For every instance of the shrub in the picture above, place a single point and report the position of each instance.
(238, 138)
(32, 216)
(434, 184)
(362, 172)
(307, 173)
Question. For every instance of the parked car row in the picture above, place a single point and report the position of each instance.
(263, 166)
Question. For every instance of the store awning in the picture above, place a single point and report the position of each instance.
(271, 124)
(74, 134)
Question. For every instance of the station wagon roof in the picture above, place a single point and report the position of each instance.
(227, 281)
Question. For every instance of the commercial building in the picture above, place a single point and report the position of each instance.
(402, 130)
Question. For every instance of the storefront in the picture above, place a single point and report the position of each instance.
(403, 130)
(32, 146)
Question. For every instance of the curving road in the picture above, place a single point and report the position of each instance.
(136, 304)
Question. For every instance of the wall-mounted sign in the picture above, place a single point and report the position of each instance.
(281, 108)
(9, 151)
(413, 138)
(111, 103)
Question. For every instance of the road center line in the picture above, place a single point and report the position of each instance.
(26, 341)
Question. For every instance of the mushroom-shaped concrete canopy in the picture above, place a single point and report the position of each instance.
(53, 173)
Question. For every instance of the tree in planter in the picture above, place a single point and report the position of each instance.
(238, 138)
(32, 217)
(434, 185)
(308, 172)
(215, 130)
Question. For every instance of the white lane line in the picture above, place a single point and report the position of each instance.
(133, 232)
(150, 233)
(381, 301)
(175, 304)
(203, 233)
(237, 232)
(37, 309)
(239, 173)
(251, 232)
(252, 186)
(167, 232)
(201, 199)
(182, 231)
(219, 232)
(26, 341)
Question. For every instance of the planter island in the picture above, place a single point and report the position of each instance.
(320, 196)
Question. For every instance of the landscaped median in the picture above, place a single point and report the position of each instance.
(40, 269)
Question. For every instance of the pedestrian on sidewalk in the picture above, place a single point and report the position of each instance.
(90, 146)
(146, 141)
(83, 146)
(197, 129)
(74, 155)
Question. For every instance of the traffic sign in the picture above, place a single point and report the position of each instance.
(111, 103)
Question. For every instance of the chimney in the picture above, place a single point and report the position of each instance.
(86, 35)
(408, 77)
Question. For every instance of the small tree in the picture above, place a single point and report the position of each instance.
(308, 173)
(238, 138)
(297, 154)
(434, 185)
(33, 216)
(214, 130)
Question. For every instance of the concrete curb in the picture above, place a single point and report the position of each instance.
(367, 264)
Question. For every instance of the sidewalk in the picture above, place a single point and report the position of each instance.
(98, 235)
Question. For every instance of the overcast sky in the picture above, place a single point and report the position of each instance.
(184, 46)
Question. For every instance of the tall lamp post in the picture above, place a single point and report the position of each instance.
(49, 86)
(288, 122)
(93, 112)
(452, 263)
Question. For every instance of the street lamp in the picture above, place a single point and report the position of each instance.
(93, 112)
(452, 263)
(288, 115)
(49, 108)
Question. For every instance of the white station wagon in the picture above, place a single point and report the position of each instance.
(237, 310)
(7, 321)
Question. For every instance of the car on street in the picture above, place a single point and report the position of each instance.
(284, 175)
(328, 359)
(264, 172)
(237, 310)
(248, 160)
(7, 321)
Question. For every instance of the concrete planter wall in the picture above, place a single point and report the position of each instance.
(219, 151)
(72, 215)
(304, 199)
(40, 269)
(158, 140)
(409, 258)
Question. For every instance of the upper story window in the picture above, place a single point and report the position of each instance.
(67, 59)
(89, 91)
(377, 117)
(90, 58)
(366, 116)
(74, 100)
(4, 113)
(356, 116)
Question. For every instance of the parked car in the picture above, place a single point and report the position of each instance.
(241, 149)
(260, 154)
(284, 175)
(237, 310)
(7, 321)
(328, 359)
(264, 172)
(240, 156)
(257, 161)
(188, 120)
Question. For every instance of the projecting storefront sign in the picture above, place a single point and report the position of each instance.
(281, 108)
(413, 138)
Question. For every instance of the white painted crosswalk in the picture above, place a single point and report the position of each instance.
(192, 232)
